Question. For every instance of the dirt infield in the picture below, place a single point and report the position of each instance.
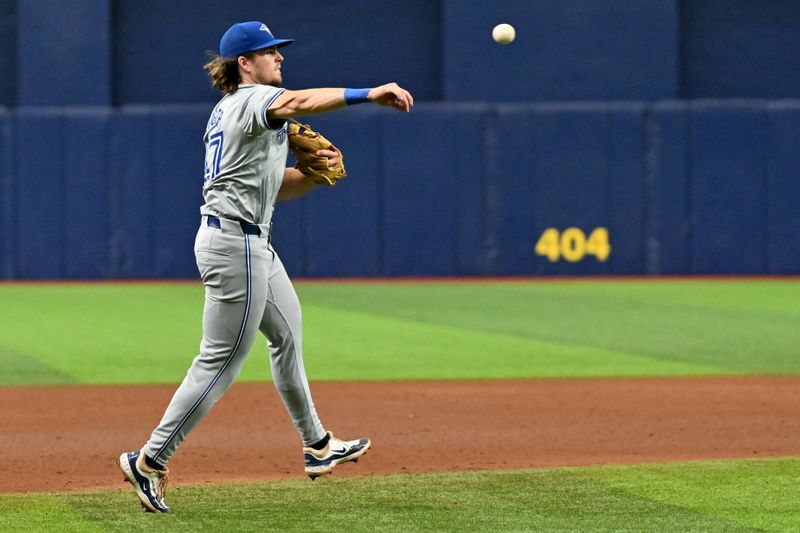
(62, 438)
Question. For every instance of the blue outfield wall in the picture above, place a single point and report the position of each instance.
(7, 225)
(575, 50)
(568, 165)
(739, 49)
(703, 187)
(441, 50)
(783, 188)
(58, 44)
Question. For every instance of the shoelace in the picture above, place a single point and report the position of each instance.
(161, 485)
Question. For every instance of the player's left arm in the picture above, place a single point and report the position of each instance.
(296, 184)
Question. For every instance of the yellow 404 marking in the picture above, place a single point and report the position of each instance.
(572, 244)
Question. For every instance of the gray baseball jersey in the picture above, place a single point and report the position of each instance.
(245, 156)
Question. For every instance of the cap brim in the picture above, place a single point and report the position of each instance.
(276, 42)
(260, 46)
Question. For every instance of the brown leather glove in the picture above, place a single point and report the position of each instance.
(304, 143)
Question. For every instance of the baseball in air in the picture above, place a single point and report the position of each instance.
(504, 33)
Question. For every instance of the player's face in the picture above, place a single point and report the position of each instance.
(266, 66)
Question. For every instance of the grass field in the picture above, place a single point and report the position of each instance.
(750, 495)
(148, 333)
(143, 333)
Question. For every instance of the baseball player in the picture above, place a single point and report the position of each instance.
(246, 286)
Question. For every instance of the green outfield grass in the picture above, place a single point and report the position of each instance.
(148, 333)
(730, 496)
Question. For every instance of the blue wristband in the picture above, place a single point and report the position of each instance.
(356, 96)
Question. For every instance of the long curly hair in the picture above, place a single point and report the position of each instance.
(224, 73)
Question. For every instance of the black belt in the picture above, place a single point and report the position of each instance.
(249, 229)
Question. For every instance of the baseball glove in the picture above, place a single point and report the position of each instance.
(304, 143)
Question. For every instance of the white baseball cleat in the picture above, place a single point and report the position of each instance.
(321, 462)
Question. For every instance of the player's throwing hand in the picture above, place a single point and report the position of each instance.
(392, 95)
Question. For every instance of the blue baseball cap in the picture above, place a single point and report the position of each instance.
(245, 37)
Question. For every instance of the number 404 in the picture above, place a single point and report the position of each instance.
(572, 245)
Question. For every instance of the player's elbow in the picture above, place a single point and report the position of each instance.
(285, 106)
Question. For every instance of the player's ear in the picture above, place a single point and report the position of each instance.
(244, 63)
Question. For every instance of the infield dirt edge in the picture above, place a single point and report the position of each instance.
(416, 426)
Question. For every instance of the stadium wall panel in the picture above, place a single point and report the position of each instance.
(576, 50)
(429, 215)
(569, 166)
(289, 227)
(728, 188)
(108, 52)
(64, 52)
(177, 153)
(8, 60)
(39, 190)
(84, 205)
(352, 43)
(668, 163)
(783, 188)
(132, 213)
(706, 187)
(344, 229)
(739, 49)
(7, 219)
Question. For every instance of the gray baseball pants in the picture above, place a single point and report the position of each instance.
(247, 290)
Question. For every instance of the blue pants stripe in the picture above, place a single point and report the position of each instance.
(248, 301)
